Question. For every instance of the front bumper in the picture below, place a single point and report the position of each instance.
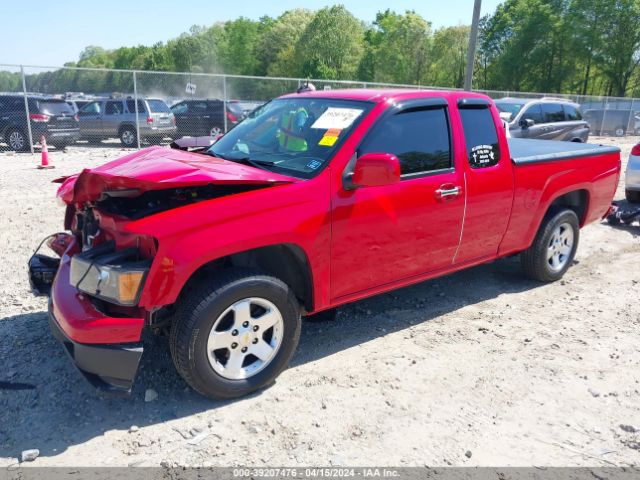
(106, 350)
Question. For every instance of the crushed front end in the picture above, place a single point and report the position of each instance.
(93, 306)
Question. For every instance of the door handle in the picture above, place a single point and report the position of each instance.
(447, 192)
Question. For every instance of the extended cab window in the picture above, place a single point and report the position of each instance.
(480, 136)
(418, 137)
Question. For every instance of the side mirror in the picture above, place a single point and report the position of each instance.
(526, 123)
(375, 170)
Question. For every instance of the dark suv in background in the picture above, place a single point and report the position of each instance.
(115, 117)
(544, 119)
(202, 117)
(50, 117)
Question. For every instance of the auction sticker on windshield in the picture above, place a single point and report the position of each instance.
(339, 118)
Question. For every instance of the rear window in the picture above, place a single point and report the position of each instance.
(481, 137)
(158, 106)
(55, 107)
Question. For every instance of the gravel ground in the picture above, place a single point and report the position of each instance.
(481, 367)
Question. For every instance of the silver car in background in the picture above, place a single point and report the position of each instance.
(632, 176)
(115, 117)
(545, 119)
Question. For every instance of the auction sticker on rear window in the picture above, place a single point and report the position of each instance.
(339, 118)
(482, 156)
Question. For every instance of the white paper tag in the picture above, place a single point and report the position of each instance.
(339, 118)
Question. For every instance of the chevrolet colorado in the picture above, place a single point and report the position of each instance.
(315, 200)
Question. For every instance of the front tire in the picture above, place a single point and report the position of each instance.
(554, 247)
(17, 140)
(632, 196)
(236, 334)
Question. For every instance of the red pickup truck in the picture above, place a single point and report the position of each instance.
(315, 200)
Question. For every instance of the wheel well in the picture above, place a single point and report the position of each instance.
(578, 201)
(285, 261)
(577, 140)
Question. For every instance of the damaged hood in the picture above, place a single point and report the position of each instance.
(159, 168)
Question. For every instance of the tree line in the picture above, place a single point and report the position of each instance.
(588, 47)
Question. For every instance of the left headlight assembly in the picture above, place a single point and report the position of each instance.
(116, 277)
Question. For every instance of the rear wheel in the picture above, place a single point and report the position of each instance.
(17, 140)
(128, 137)
(632, 196)
(554, 247)
(619, 131)
(236, 334)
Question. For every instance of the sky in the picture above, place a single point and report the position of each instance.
(69, 26)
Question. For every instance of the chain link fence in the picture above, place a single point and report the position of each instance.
(133, 108)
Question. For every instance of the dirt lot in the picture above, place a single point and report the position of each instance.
(479, 368)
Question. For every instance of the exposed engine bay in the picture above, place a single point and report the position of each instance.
(133, 204)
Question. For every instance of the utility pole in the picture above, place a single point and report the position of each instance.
(473, 38)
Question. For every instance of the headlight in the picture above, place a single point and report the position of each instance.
(113, 276)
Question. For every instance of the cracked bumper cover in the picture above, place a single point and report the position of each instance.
(106, 350)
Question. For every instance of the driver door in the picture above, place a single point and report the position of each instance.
(385, 234)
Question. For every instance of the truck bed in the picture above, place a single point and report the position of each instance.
(525, 151)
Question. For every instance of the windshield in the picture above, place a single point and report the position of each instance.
(295, 136)
(511, 109)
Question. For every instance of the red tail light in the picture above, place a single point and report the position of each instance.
(76, 117)
(39, 117)
(635, 151)
(149, 120)
(232, 117)
(173, 119)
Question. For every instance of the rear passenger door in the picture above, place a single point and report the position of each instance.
(555, 126)
(384, 234)
(112, 118)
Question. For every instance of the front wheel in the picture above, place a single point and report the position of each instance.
(17, 140)
(236, 334)
(554, 247)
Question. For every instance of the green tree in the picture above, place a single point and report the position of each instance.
(448, 57)
(398, 47)
(331, 46)
(276, 49)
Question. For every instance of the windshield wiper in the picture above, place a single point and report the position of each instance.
(244, 159)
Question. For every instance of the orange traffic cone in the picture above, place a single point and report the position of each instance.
(44, 161)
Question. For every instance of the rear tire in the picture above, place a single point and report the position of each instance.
(128, 137)
(214, 313)
(632, 196)
(554, 247)
(619, 131)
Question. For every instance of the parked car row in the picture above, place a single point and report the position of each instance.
(65, 120)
